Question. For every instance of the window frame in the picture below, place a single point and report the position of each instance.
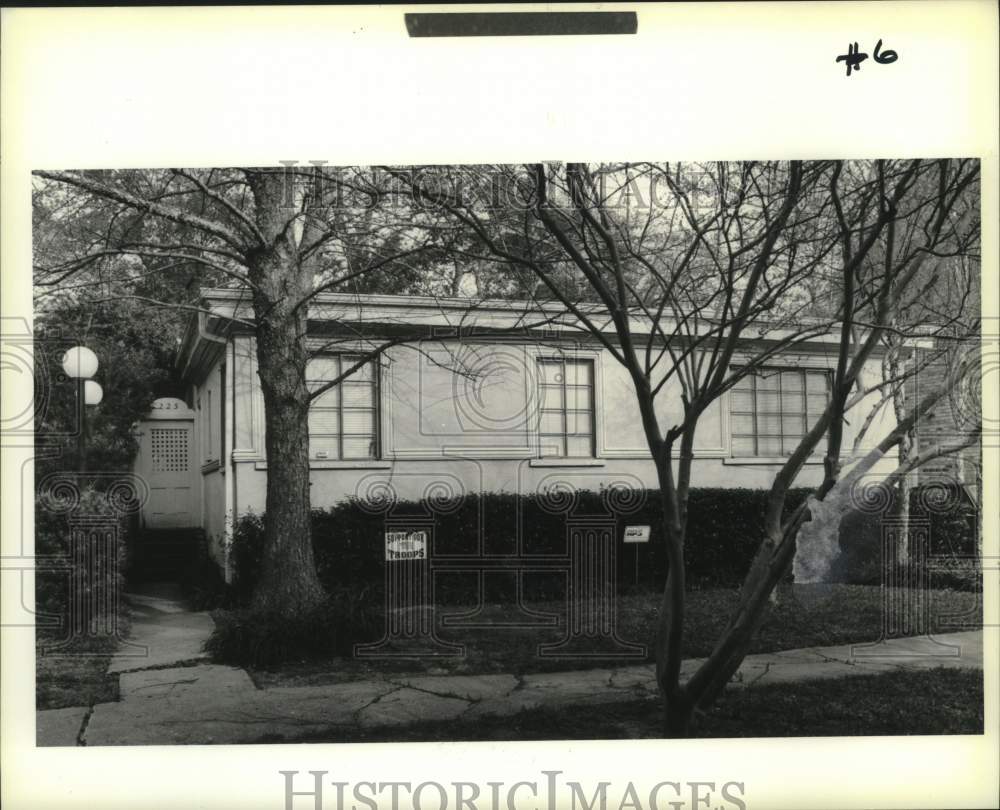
(375, 409)
(565, 410)
(804, 414)
(222, 411)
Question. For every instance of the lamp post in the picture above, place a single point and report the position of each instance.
(80, 363)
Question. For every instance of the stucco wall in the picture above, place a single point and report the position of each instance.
(214, 514)
(443, 431)
(208, 463)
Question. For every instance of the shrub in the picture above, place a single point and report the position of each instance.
(725, 527)
(245, 552)
(957, 573)
(203, 583)
(724, 531)
(95, 577)
(952, 523)
(255, 638)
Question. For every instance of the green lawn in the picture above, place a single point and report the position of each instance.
(941, 701)
(814, 615)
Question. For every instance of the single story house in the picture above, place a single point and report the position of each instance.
(488, 396)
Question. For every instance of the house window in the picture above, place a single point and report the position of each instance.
(772, 408)
(566, 415)
(343, 419)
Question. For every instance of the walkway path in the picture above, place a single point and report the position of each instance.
(172, 697)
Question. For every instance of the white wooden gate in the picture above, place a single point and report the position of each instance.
(166, 462)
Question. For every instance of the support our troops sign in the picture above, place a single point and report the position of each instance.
(405, 546)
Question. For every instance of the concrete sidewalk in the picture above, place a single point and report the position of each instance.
(163, 703)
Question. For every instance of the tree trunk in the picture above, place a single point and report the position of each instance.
(899, 406)
(288, 584)
(280, 280)
(903, 540)
(670, 627)
(677, 718)
(770, 564)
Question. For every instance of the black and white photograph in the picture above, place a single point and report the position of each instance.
(454, 452)
(476, 407)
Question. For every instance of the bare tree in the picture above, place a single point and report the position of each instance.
(675, 269)
(280, 235)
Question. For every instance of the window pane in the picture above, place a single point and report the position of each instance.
(792, 425)
(741, 401)
(768, 425)
(550, 446)
(363, 374)
(359, 447)
(358, 394)
(328, 444)
(768, 381)
(579, 446)
(767, 446)
(551, 422)
(744, 383)
(328, 399)
(578, 372)
(323, 421)
(817, 404)
(578, 397)
(552, 396)
(791, 381)
(792, 401)
(742, 423)
(743, 446)
(817, 382)
(579, 422)
(359, 421)
(322, 369)
(550, 371)
(768, 401)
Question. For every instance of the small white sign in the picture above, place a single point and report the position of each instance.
(637, 534)
(405, 546)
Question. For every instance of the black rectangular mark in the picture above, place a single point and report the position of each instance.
(521, 23)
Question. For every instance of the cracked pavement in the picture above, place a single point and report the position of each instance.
(173, 697)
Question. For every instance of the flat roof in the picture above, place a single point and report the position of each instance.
(227, 311)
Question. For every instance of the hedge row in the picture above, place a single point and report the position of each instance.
(724, 530)
(94, 577)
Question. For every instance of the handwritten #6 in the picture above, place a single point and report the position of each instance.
(854, 57)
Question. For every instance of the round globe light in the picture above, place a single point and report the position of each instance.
(92, 392)
(80, 362)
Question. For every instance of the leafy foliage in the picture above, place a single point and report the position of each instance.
(54, 544)
(135, 354)
(724, 531)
